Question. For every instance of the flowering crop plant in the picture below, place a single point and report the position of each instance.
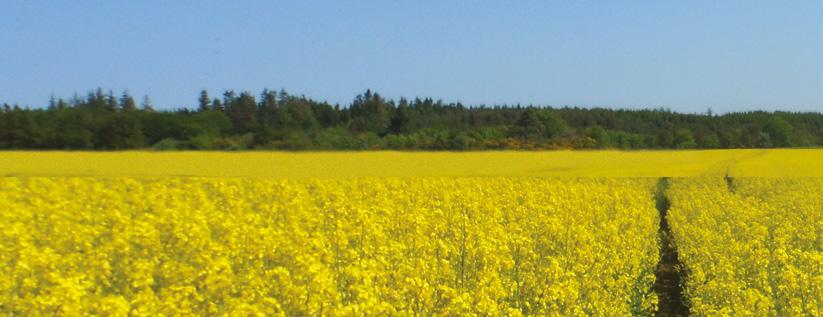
(751, 246)
(373, 247)
(415, 234)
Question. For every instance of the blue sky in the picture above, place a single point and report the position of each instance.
(685, 55)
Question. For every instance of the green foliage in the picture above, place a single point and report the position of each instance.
(242, 111)
(529, 126)
(234, 142)
(19, 129)
(553, 124)
(167, 144)
(202, 142)
(683, 139)
(370, 113)
(204, 101)
(779, 131)
(278, 120)
(212, 123)
(600, 136)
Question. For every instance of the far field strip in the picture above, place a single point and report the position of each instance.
(303, 165)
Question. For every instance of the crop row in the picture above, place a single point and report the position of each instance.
(752, 247)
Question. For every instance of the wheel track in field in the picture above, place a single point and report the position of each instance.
(668, 284)
(729, 182)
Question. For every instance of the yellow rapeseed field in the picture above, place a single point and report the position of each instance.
(409, 233)
(750, 247)
(306, 165)
(375, 247)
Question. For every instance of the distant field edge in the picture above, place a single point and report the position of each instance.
(337, 164)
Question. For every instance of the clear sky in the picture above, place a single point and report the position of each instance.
(684, 55)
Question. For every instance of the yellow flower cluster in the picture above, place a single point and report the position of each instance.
(358, 247)
(753, 247)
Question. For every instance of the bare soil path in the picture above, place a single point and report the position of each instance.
(668, 284)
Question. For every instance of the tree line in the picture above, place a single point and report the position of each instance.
(283, 121)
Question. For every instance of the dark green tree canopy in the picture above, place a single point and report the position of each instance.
(279, 120)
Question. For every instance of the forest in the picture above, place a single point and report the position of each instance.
(277, 120)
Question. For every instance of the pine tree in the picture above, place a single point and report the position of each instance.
(242, 111)
(268, 109)
(228, 98)
(400, 121)
(62, 104)
(204, 101)
(217, 105)
(147, 105)
(52, 102)
(127, 102)
(530, 125)
(97, 100)
(370, 113)
(111, 101)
